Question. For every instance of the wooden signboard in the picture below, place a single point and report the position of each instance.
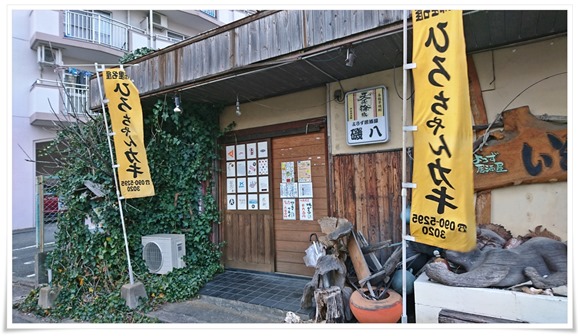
(528, 150)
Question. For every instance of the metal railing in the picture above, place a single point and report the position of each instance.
(74, 97)
(96, 28)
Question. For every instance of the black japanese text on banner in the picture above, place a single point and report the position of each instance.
(127, 124)
(442, 204)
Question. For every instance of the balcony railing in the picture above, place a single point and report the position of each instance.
(95, 28)
(73, 97)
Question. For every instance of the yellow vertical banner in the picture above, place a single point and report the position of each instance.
(442, 204)
(127, 125)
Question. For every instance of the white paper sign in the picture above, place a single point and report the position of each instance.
(240, 152)
(242, 205)
(231, 202)
(288, 190)
(231, 186)
(287, 172)
(251, 150)
(263, 167)
(230, 153)
(264, 201)
(305, 189)
(252, 168)
(263, 183)
(252, 184)
(289, 209)
(241, 170)
(252, 202)
(231, 169)
(242, 185)
(262, 149)
(306, 209)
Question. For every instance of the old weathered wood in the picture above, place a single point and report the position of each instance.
(453, 316)
(371, 254)
(358, 260)
(349, 177)
(391, 263)
(530, 151)
(502, 268)
(479, 112)
(329, 305)
(483, 207)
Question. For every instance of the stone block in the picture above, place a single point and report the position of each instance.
(132, 292)
(46, 297)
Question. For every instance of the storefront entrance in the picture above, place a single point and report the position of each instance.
(274, 191)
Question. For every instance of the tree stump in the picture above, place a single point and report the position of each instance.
(329, 305)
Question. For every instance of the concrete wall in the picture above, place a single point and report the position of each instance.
(511, 71)
(298, 106)
(25, 71)
(504, 76)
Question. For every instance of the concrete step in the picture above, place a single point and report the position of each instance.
(207, 309)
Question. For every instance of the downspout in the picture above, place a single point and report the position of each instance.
(150, 20)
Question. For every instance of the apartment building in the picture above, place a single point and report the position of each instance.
(53, 55)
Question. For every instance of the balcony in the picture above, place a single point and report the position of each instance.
(53, 102)
(98, 29)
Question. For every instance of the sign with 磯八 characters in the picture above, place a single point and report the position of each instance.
(366, 116)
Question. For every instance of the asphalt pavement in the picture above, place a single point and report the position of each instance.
(201, 310)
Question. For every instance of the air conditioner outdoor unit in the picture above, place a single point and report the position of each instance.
(48, 56)
(163, 252)
(159, 20)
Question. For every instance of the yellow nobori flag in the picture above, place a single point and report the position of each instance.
(442, 206)
(127, 124)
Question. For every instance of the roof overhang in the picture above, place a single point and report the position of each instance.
(376, 50)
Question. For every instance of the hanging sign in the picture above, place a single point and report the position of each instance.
(366, 116)
(442, 206)
(127, 124)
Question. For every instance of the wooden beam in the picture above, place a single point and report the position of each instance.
(483, 198)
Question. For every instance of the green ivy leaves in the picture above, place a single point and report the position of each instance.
(91, 265)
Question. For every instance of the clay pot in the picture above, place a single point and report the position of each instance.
(387, 310)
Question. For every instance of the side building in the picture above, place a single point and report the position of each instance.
(53, 56)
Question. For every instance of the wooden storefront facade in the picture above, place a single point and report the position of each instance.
(359, 183)
(363, 188)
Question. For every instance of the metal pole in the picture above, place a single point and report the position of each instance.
(405, 184)
(115, 166)
(40, 226)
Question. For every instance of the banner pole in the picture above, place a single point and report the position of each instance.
(404, 177)
(115, 166)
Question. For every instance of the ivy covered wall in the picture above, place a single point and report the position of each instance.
(89, 262)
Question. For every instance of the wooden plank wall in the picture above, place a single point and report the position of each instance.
(327, 25)
(251, 40)
(292, 236)
(248, 236)
(367, 192)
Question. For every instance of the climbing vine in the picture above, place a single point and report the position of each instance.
(89, 263)
(139, 52)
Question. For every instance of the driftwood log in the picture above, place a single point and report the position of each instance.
(330, 273)
(543, 261)
(329, 305)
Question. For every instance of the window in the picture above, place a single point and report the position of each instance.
(175, 36)
(211, 13)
